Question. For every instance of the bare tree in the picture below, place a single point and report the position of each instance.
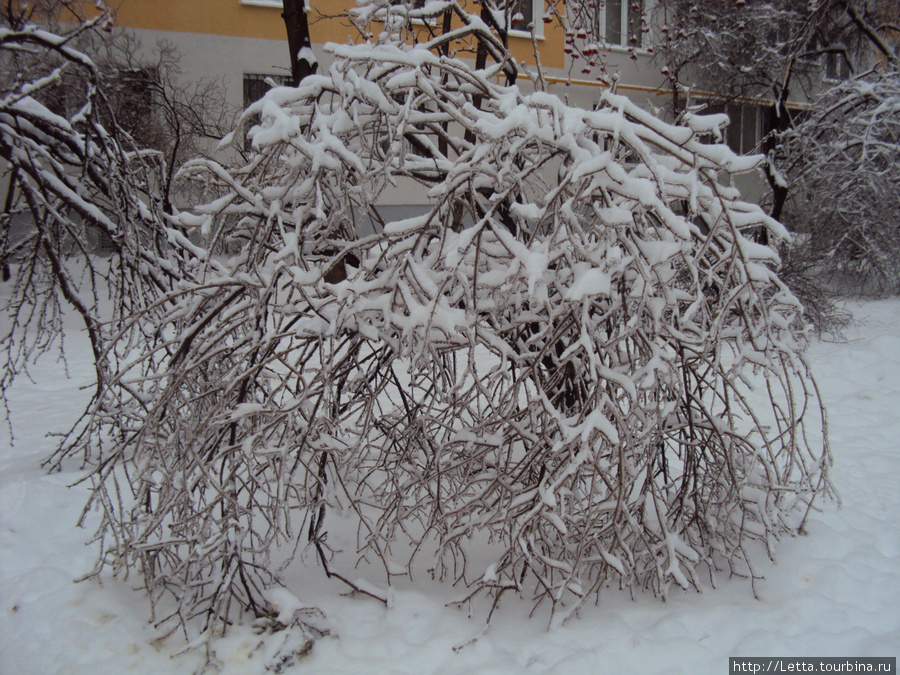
(849, 149)
(69, 92)
(55, 13)
(766, 50)
(159, 108)
(69, 176)
(577, 355)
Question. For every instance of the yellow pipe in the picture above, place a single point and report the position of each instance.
(664, 92)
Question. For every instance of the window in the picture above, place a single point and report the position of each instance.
(744, 131)
(894, 44)
(522, 14)
(131, 94)
(132, 99)
(781, 33)
(255, 87)
(836, 66)
(415, 4)
(620, 22)
(745, 126)
(429, 19)
(63, 97)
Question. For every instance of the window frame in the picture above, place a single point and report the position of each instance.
(734, 134)
(739, 123)
(537, 18)
(625, 14)
(841, 65)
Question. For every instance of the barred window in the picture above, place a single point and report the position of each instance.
(255, 87)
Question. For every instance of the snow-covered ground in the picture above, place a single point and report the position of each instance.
(834, 592)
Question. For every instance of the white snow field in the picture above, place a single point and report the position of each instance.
(833, 592)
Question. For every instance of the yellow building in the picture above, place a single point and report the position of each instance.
(232, 39)
(242, 43)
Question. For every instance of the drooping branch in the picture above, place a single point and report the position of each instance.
(873, 34)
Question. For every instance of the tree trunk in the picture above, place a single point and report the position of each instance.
(778, 121)
(297, 25)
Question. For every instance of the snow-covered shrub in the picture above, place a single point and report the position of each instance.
(575, 356)
(844, 170)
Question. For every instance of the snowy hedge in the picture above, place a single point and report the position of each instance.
(577, 362)
(577, 357)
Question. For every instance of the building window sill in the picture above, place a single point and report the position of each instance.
(263, 3)
(526, 34)
(624, 49)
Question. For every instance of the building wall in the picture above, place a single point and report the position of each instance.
(222, 57)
